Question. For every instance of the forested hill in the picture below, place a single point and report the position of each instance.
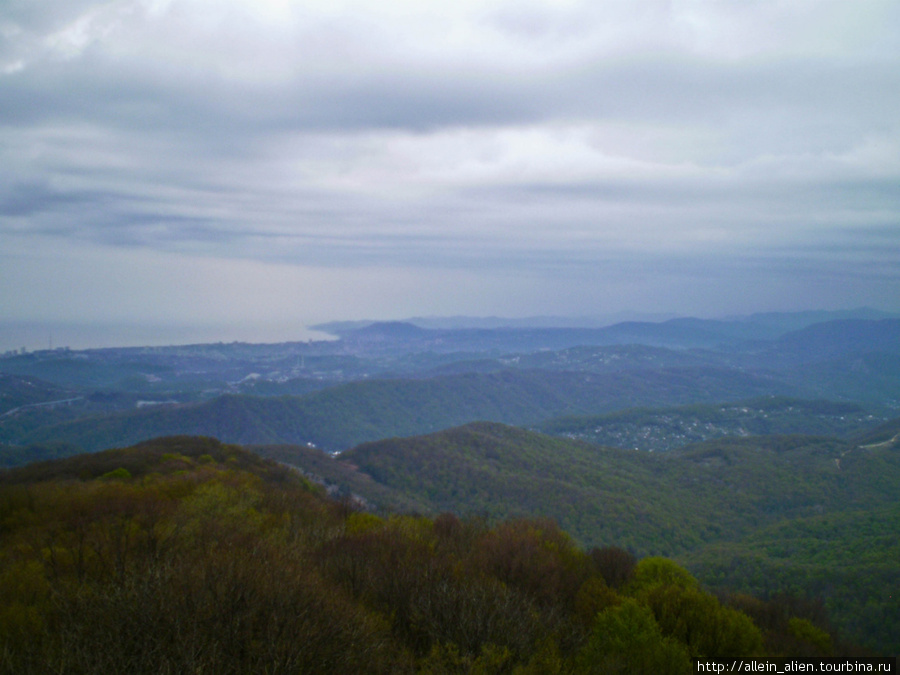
(885, 435)
(390, 380)
(20, 392)
(346, 415)
(679, 503)
(184, 554)
(665, 503)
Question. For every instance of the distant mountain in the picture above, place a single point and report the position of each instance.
(460, 322)
(785, 322)
(833, 339)
(772, 323)
(72, 369)
(680, 333)
(674, 334)
(391, 330)
(872, 379)
(852, 360)
(403, 349)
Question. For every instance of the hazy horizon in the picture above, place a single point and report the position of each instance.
(246, 168)
(38, 336)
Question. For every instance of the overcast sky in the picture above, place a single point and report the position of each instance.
(251, 166)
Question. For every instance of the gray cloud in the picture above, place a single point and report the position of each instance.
(503, 141)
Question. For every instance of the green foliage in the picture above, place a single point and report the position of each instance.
(360, 522)
(593, 597)
(848, 557)
(231, 566)
(24, 598)
(14, 455)
(158, 456)
(697, 620)
(805, 515)
(615, 564)
(805, 630)
(117, 474)
(655, 571)
(536, 557)
(446, 660)
(627, 639)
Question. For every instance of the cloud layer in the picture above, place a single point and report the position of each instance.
(505, 157)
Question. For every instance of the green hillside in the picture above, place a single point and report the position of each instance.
(666, 504)
(17, 393)
(884, 435)
(871, 379)
(848, 559)
(81, 370)
(187, 555)
(674, 504)
(346, 415)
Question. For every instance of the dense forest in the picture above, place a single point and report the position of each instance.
(187, 555)
(814, 515)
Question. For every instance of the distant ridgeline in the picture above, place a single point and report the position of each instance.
(184, 554)
(386, 380)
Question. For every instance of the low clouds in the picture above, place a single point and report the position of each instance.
(563, 144)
